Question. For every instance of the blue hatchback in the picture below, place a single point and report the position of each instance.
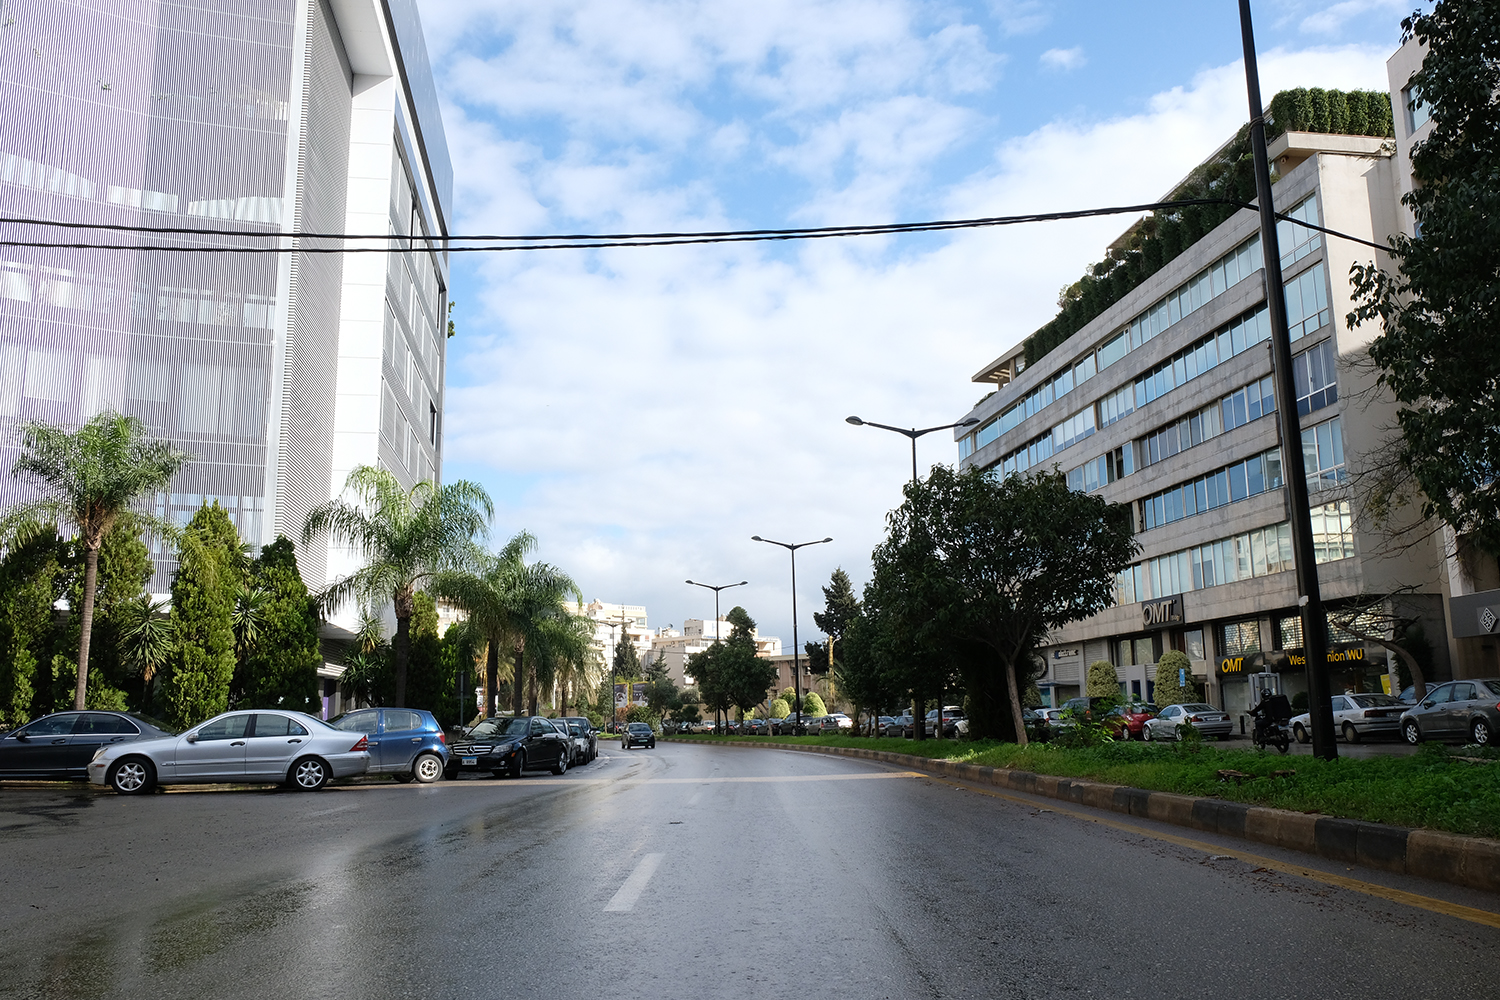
(406, 743)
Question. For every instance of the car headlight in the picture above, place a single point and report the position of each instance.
(505, 748)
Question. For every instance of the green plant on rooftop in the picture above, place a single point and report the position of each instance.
(1229, 174)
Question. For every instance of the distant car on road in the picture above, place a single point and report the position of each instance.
(1466, 711)
(60, 745)
(1205, 718)
(406, 743)
(247, 746)
(1131, 719)
(1356, 716)
(638, 734)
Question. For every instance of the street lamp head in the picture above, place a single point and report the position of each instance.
(756, 538)
(742, 583)
(968, 423)
(828, 539)
(690, 581)
(855, 421)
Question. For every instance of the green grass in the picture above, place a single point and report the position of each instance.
(1435, 789)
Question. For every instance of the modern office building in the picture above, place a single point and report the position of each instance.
(245, 121)
(1164, 402)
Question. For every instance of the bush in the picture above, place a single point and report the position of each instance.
(1168, 691)
(813, 704)
(780, 709)
(1102, 680)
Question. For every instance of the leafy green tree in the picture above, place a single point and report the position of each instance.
(746, 676)
(87, 479)
(662, 694)
(840, 607)
(1439, 311)
(1000, 565)
(283, 657)
(627, 665)
(780, 709)
(209, 572)
(406, 537)
(1168, 690)
(1102, 682)
(430, 683)
(492, 595)
(813, 705)
(28, 575)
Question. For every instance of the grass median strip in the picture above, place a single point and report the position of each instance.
(1435, 789)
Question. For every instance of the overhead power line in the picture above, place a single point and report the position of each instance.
(393, 243)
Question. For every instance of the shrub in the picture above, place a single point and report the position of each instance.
(1168, 691)
(1102, 680)
(780, 709)
(812, 704)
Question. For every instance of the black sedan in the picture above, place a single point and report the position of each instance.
(637, 734)
(508, 746)
(61, 745)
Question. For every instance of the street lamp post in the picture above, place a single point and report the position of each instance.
(614, 710)
(796, 665)
(913, 433)
(717, 636)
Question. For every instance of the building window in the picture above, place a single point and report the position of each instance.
(1323, 454)
(1307, 303)
(1238, 638)
(1297, 241)
(1417, 113)
(1333, 532)
(1289, 633)
(1315, 373)
(1192, 642)
(1130, 652)
(1254, 401)
(1257, 474)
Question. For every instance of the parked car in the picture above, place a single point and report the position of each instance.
(1205, 718)
(756, 727)
(1466, 711)
(951, 716)
(790, 727)
(1356, 716)
(1132, 719)
(247, 746)
(583, 727)
(889, 725)
(512, 745)
(60, 745)
(638, 734)
(834, 724)
(703, 726)
(577, 740)
(1052, 715)
(406, 743)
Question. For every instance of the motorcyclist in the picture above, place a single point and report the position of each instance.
(1271, 713)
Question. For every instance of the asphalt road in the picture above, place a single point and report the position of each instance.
(692, 871)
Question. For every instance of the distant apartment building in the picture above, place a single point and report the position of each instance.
(1165, 402)
(696, 635)
(255, 120)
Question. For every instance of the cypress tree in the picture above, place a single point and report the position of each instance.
(208, 572)
(282, 663)
(28, 576)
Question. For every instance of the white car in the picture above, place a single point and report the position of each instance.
(1356, 716)
(255, 746)
(1205, 718)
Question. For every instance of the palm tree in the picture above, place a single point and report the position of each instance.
(542, 627)
(405, 537)
(490, 596)
(89, 479)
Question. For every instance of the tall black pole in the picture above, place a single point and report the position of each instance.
(796, 672)
(1314, 619)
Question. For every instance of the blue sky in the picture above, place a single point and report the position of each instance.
(644, 412)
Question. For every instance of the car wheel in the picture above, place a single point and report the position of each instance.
(517, 765)
(308, 774)
(651, 745)
(132, 776)
(1412, 732)
(1301, 733)
(561, 767)
(427, 768)
(402, 776)
(1145, 734)
(1480, 732)
(1351, 735)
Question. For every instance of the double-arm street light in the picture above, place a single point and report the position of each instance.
(717, 636)
(613, 623)
(913, 433)
(796, 665)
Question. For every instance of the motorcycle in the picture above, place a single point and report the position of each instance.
(1273, 717)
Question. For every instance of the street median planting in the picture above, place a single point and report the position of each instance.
(1456, 790)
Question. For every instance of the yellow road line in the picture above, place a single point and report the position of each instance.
(1469, 913)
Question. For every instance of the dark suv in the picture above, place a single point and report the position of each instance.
(638, 734)
(406, 743)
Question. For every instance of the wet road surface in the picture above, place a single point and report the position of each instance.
(689, 871)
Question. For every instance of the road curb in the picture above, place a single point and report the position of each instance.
(1443, 857)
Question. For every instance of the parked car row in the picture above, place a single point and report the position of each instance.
(133, 753)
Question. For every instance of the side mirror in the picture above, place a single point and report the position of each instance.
(24, 737)
(192, 737)
(1428, 704)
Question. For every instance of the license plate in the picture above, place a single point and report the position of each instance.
(470, 761)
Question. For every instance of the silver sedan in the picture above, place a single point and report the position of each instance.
(1205, 718)
(254, 746)
(1356, 716)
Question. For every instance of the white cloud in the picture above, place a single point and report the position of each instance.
(1331, 20)
(1021, 17)
(644, 412)
(1063, 60)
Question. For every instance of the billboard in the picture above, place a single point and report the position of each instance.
(638, 694)
(620, 701)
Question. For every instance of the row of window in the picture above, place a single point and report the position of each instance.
(1255, 475)
(1309, 313)
(1244, 556)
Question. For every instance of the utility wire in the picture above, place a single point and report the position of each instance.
(595, 241)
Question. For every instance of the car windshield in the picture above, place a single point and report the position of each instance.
(639, 727)
(1373, 700)
(490, 728)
